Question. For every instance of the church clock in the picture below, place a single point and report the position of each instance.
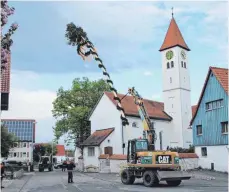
(169, 55)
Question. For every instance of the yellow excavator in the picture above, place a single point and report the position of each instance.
(143, 161)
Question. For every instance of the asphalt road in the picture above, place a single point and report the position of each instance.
(94, 182)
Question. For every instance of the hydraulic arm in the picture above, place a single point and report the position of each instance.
(147, 125)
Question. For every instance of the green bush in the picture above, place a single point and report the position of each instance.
(191, 149)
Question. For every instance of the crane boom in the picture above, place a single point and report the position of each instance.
(147, 125)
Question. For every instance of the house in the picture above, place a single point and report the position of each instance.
(171, 118)
(210, 121)
(60, 155)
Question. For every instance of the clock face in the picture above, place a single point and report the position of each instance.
(169, 55)
(183, 55)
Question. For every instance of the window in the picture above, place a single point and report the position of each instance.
(182, 64)
(27, 154)
(24, 154)
(91, 151)
(21, 154)
(24, 144)
(172, 64)
(15, 145)
(168, 65)
(204, 151)
(15, 154)
(224, 126)
(170, 79)
(199, 130)
(214, 104)
(134, 124)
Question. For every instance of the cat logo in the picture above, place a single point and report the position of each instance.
(163, 159)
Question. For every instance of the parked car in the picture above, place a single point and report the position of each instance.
(58, 166)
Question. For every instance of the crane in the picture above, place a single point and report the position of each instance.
(148, 127)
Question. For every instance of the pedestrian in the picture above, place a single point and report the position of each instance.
(70, 166)
(2, 172)
(64, 165)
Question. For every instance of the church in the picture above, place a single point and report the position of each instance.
(171, 118)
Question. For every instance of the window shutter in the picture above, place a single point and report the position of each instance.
(108, 150)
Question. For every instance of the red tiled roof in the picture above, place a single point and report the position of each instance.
(5, 78)
(114, 157)
(153, 108)
(188, 155)
(98, 137)
(194, 107)
(173, 37)
(60, 150)
(221, 75)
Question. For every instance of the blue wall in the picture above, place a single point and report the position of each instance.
(211, 120)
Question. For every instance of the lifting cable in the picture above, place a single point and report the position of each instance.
(91, 51)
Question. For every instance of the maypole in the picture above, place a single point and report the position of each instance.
(86, 49)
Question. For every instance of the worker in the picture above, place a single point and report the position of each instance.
(70, 167)
(64, 165)
(2, 172)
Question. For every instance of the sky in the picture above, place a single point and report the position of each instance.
(127, 36)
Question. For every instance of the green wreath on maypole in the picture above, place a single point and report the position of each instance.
(77, 37)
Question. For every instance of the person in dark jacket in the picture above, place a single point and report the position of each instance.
(2, 172)
(64, 165)
(70, 167)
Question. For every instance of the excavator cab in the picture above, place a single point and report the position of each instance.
(135, 146)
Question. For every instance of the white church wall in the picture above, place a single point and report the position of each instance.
(137, 132)
(106, 116)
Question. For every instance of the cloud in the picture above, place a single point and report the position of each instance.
(30, 104)
(148, 73)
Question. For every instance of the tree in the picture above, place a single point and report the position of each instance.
(7, 141)
(44, 149)
(6, 41)
(72, 107)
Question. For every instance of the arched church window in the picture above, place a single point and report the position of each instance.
(168, 65)
(182, 64)
(172, 64)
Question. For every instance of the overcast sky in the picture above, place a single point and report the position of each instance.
(127, 36)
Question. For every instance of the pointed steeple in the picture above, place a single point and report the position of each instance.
(173, 37)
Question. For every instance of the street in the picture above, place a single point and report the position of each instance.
(56, 181)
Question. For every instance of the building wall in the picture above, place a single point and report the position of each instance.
(106, 116)
(211, 120)
(215, 154)
(23, 152)
(136, 132)
(176, 95)
(91, 161)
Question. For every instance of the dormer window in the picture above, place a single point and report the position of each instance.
(134, 124)
(168, 65)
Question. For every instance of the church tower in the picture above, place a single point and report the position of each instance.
(176, 86)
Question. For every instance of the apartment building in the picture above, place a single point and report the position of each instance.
(24, 130)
